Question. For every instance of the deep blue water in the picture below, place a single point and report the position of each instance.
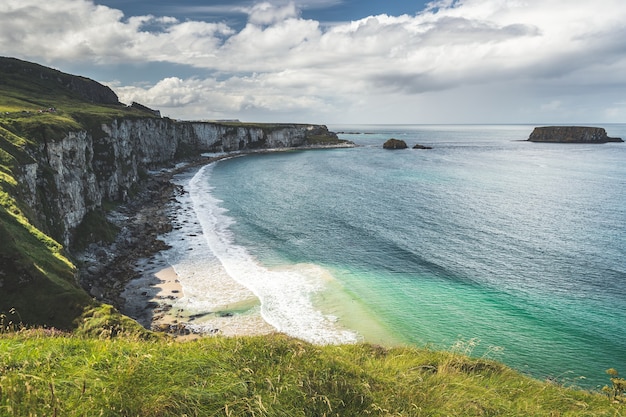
(500, 247)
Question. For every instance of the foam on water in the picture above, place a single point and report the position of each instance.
(218, 275)
(207, 286)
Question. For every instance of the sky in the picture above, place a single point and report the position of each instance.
(339, 61)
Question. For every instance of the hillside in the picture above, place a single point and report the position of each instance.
(38, 104)
(59, 374)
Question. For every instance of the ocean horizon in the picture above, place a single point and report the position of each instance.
(486, 244)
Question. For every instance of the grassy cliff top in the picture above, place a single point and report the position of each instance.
(47, 373)
(34, 97)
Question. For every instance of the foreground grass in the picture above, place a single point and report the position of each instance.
(48, 373)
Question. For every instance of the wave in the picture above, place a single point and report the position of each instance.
(285, 293)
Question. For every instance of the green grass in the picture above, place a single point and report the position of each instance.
(51, 373)
(323, 140)
(38, 280)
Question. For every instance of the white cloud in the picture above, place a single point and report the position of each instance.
(545, 51)
(265, 13)
(210, 98)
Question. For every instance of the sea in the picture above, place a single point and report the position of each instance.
(486, 244)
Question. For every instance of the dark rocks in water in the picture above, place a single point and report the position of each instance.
(418, 146)
(395, 144)
(571, 134)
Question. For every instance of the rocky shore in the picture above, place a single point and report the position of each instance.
(107, 268)
(130, 274)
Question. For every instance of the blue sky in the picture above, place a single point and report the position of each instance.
(339, 61)
(216, 10)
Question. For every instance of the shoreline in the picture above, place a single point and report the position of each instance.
(133, 274)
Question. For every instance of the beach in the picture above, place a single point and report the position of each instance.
(177, 285)
(153, 299)
(155, 296)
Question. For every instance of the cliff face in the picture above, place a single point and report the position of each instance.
(74, 175)
(571, 134)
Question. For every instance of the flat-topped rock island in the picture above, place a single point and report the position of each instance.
(571, 134)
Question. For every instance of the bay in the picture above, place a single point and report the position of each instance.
(486, 244)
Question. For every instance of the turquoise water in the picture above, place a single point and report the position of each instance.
(515, 249)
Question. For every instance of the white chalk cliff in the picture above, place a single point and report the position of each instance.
(71, 176)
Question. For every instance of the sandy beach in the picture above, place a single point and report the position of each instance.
(152, 300)
(156, 297)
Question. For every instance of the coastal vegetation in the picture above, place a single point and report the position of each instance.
(101, 362)
(114, 369)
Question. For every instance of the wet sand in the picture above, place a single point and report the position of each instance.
(152, 300)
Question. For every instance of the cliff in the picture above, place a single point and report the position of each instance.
(83, 169)
(67, 148)
(571, 134)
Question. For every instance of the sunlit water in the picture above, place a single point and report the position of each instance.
(486, 239)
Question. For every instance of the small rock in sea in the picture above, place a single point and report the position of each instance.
(418, 146)
(395, 144)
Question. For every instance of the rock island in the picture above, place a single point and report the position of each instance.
(571, 134)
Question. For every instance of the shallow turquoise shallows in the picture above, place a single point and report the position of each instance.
(486, 243)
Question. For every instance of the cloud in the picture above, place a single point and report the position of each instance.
(265, 13)
(281, 61)
(79, 30)
(211, 98)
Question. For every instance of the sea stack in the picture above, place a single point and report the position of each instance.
(395, 144)
(571, 134)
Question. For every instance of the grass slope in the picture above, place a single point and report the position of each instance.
(59, 374)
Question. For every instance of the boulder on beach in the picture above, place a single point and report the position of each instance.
(395, 144)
